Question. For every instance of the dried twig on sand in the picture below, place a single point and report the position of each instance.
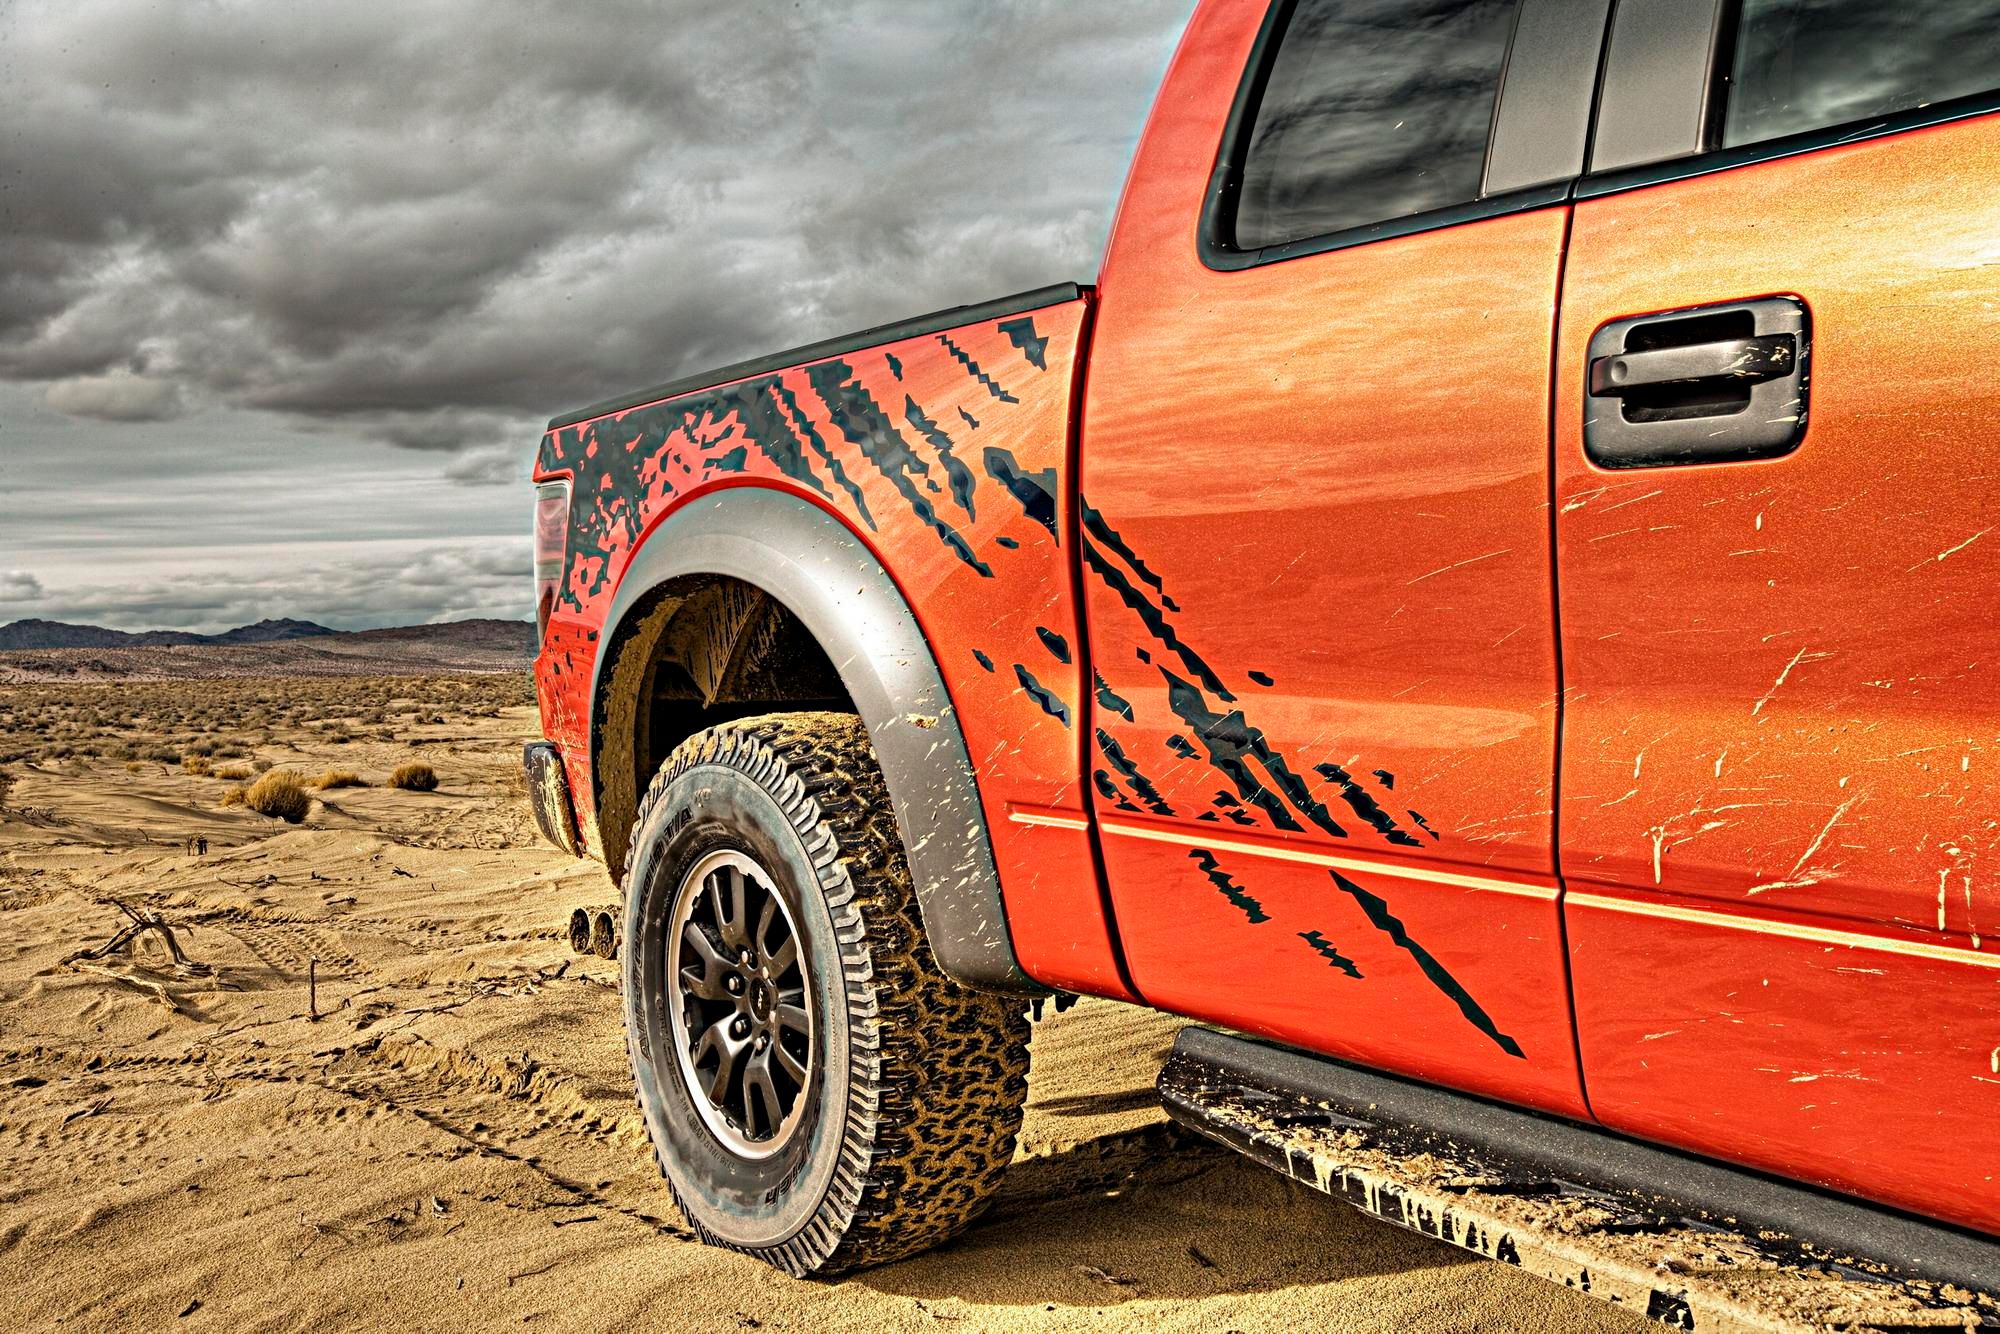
(91, 1110)
(140, 924)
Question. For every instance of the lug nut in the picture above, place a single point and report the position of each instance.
(733, 984)
(763, 1041)
(740, 1028)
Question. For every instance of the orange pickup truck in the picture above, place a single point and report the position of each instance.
(1489, 599)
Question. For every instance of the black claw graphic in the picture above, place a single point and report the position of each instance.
(1051, 702)
(972, 368)
(1021, 333)
(1228, 888)
(1390, 925)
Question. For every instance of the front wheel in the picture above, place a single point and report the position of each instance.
(819, 1094)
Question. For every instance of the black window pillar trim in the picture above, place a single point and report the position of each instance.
(1535, 152)
(1662, 81)
(1701, 45)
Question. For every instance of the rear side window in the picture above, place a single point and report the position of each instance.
(1805, 64)
(1371, 110)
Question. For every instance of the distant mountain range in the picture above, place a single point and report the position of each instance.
(38, 634)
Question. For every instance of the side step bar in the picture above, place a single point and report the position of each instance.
(1688, 1242)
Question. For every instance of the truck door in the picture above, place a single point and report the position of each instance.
(1315, 532)
(1778, 545)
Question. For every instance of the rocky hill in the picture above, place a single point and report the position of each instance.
(33, 634)
(55, 651)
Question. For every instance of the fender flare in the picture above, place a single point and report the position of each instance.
(821, 572)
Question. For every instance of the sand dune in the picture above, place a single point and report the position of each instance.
(451, 1143)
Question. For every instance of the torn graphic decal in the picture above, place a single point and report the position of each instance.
(972, 368)
(861, 419)
(1034, 491)
(1262, 777)
(1141, 786)
(1228, 888)
(1390, 925)
(1050, 701)
(879, 436)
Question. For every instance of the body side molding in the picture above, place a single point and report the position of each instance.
(808, 560)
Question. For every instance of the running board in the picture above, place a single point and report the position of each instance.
(1686, 1241)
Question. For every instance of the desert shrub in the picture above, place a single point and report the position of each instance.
(339, 778)
(281, 793)
(134, 767)
(260, 764)
(230, 751)
(234, 796)
(201, 748)
(195, 763)
(161, 755)
(415, 776)
(233, 772)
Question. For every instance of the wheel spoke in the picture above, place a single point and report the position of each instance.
(784, 956)
(759, 1090)
(790, 1064)
(794, 1018)
(716, 1039)
(702, 984)
(730, 915)
(708, 984)
(764, 920)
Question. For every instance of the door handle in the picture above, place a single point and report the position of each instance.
(1709, 384)
(1730, 360)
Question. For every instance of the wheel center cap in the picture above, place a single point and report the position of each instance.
(760, 1001)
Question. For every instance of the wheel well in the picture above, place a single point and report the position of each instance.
(699, 650)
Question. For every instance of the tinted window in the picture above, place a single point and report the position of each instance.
(1373, 109)
(1804, 64)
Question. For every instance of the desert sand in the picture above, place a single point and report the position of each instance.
(383, 1092)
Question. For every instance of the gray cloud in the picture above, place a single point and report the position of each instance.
(488, 465)
(393, 209)
(19, 586)
(118, 396)
(277, 232)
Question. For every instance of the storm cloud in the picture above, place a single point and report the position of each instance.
(429, 224)
(388, 214)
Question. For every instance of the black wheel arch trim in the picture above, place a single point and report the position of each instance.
(821, 572)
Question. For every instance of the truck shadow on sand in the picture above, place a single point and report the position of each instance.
(1153, 1214)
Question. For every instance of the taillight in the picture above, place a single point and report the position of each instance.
(551, 542)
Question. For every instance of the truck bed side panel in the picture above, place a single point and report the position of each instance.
(948, 455)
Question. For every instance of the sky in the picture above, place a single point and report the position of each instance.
(287, 291)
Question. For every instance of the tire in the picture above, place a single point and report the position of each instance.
(905, 1118)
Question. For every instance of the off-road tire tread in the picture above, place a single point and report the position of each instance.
(937, 1071)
